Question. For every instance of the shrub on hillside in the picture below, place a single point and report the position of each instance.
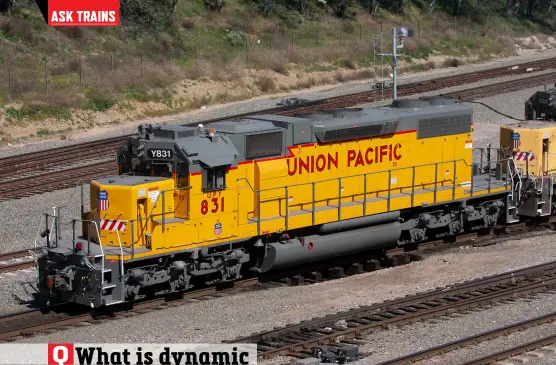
(236, 38)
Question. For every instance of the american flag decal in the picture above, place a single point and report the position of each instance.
(516, 140)
(218, 228)
(102, 200)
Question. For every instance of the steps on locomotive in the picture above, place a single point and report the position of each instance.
(480, 186)
(111, 285)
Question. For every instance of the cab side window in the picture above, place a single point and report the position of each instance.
(183, 174)
(214, 178)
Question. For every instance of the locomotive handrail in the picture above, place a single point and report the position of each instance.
(149, 217)
(375, 172)
(89, 221)
(49, 233)
(121, 257)
(489, 161)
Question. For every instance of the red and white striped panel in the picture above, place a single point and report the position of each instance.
(524, 156)
(112, 225)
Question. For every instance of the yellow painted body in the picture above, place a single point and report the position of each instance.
(538, 138)
(259, 193)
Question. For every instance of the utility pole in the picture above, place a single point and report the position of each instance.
(394, 64)
(405, 32)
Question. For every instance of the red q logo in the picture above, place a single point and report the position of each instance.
(60, 354)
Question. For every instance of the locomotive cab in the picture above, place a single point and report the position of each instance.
(152, 193)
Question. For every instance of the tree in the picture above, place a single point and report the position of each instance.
(545, 6)
(6, 6)
(372, 6)
(456, 7)
(397, 7)
(512, 7)
(341, 7)
(530, 5)
(264, 7)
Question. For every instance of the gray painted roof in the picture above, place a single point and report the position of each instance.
(243, 126)
(215, 151)
(125, 180)
(531, 124)
(264, 136)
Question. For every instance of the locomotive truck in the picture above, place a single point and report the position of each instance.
(201, 205)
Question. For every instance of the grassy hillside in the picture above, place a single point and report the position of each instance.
(56, 80)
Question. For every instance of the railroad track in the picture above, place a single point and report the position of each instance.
(33, 321)
(517, 350)
(54, 180)
(502, 87)
(37, 166)
(53, 158)
(485, 336)
(347, 328)
(17, 260)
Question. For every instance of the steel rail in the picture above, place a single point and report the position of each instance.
(7, 266)
(15, 254)
(517, 350)
(16, 266)
(448, 291)
(485, 336)
(53, 180)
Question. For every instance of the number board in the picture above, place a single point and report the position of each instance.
(160, 153)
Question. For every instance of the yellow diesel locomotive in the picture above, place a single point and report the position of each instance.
(198, 205)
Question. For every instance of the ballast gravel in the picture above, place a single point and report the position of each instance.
(384, 345)
(22, 220)
(226, 318)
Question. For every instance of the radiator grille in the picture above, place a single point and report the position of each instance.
(263, 145)
(444, 126)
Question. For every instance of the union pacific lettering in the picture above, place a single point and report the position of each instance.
(354, 158)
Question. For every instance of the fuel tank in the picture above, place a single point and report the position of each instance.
(314, 248)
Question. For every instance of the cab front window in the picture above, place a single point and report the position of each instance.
(142, 167)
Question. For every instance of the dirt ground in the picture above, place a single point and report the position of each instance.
(195, 97)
